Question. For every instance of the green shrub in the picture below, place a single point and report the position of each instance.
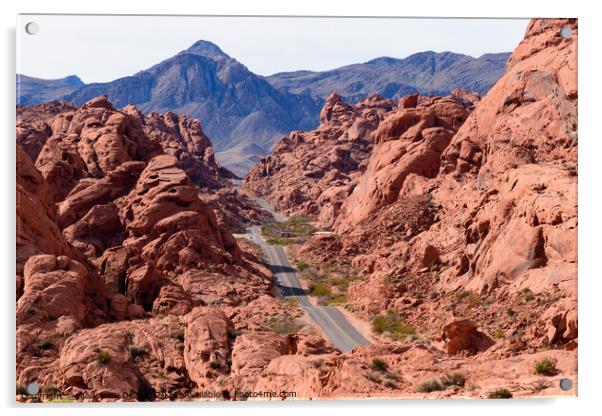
(501, 393)
(378, 364)
(302, 266)
(429, 386)
(319, 289)
(546, 367)
(451, 380)
(392, 323)
(103, 357)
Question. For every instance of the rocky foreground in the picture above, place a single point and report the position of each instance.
(457, 214)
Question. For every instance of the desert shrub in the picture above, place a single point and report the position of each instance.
(317, 363)
(390, 384)
(232, 334)
(319, 289)
(103, 357)
(546, 366)
(302, 266)
(450, 380)
(392, 323)
(136, 351)
(215, 365)
(501, 393)
(50, 389)
(179, 335)
(374, 377)
(298, 227)
(429, 386)
(378, 364)
(282, 325)
(44, 344)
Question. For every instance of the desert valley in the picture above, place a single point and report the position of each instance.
(396, 241)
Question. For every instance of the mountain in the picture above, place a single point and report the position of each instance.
(244, 113)
(235, 106)
(425, 72)
(32, 90)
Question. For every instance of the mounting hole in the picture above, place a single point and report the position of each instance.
(566, 384)
(32, 28)
(566, 32)
(32, 388)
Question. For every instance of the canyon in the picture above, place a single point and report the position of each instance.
(416, 245)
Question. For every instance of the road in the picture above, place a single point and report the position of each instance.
(333, 323)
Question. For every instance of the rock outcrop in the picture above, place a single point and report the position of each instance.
(112, 229)
(313, 172)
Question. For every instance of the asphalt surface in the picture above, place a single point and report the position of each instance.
(335, 326)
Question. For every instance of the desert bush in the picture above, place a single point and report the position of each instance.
(546, 366)
(302, 266)
(136, 351)
(44, 344)
(179, 335)
(392, 323)
(319, 289)
(374, 377)
(501, 393)
(317, 363)
(103, 357)
(282, 325)
(378, 364)
(50, 389)
(451, 380)
(429, 386)
(390, 384)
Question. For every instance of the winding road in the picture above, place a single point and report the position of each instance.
(331, 320)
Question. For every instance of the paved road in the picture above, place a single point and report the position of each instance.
(334, 324)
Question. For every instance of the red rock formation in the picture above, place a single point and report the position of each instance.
(464, 209)
(313, 172)
(409, 141)
(112, 226)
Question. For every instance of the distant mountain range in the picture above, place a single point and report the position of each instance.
(244, 113)
(32, 90)
(425, 72)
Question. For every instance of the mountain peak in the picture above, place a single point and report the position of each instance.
(207, 49)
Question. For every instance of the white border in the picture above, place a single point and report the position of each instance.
(590, 290)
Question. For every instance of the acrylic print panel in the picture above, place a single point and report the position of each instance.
(237, 208)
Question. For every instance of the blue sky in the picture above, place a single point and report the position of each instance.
(103, 48)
